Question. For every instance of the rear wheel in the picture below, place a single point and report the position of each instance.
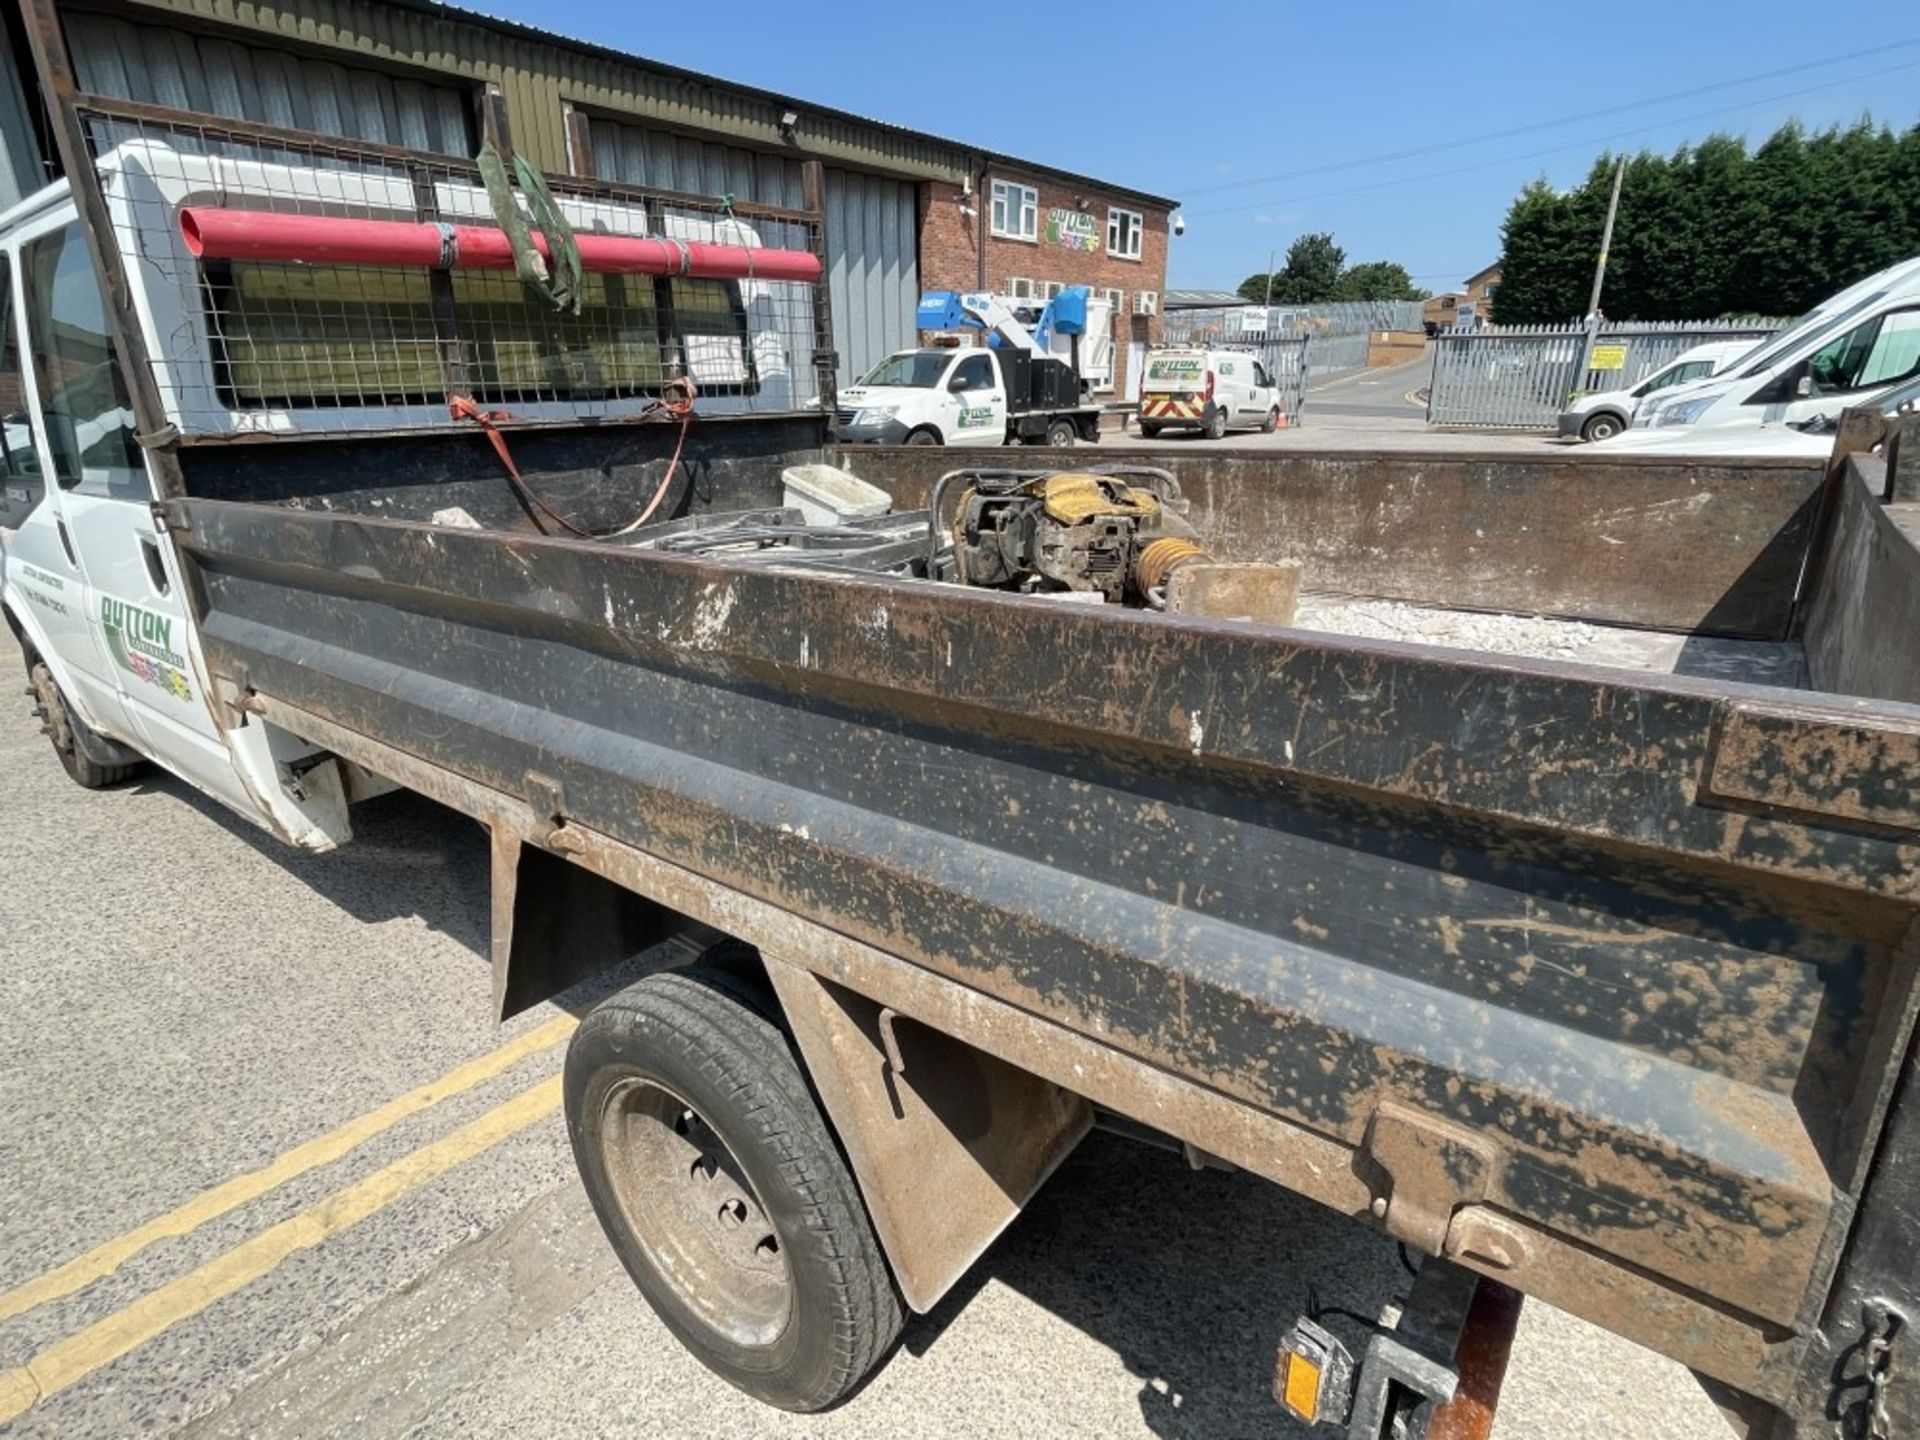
(1603, 426)
(69, 733)
(923, 437)
(1215, 424)
(1149, 430)
(1061, 432)
(717, 1181)
(1272, 422)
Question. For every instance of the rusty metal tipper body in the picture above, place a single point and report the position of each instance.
(1587, 971)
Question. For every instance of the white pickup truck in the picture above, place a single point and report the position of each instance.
(964, 396)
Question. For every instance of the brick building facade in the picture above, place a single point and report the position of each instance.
(1025, 233)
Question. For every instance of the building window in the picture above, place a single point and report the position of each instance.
(1018, 289)
(1016, 211)
(1115, 298)
(1050, 288)
(1123, 234)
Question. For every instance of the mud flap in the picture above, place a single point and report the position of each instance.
(947, 1142)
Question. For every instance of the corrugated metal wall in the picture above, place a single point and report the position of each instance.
(637, 155)
(536, 74)
(873, 272)
(873, 267)
(191, 71)
(21, 172)
(872, 219)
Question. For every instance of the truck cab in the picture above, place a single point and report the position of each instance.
(90, 584)
(935, 396)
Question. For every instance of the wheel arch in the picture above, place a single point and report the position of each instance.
(902, 1098)
(32, 638)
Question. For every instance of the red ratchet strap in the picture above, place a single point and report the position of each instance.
(676, 403)
(463, 407)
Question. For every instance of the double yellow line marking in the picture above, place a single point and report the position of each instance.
(80, 1354)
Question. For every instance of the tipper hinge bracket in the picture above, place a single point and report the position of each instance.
(547, 798)
(1426, 1169)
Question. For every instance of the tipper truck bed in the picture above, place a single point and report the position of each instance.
(1591, 974)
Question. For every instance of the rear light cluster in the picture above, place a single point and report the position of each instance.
(1209, 394)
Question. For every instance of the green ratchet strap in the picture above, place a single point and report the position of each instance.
(559, 276)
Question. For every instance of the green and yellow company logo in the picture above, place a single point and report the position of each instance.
(142, 645)
(972, 417)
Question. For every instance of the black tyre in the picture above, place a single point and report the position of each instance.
(1214, 427)
(923, 437)
(723, 1192)
(1149, 430)
(1603, 426)
(1061, 432)
(69, 733)
(1272, 422)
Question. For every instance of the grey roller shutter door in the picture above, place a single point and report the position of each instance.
(873, 267)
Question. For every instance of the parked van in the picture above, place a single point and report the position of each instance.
(1605, 413)
(1812, 441)
(1211, 391)
(1843, 352)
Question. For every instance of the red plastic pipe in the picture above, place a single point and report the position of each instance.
(216, 234)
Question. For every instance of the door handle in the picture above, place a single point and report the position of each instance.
(156, 567)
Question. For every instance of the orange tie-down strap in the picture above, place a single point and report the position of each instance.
(676, 403)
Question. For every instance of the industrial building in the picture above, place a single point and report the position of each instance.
(903, 209)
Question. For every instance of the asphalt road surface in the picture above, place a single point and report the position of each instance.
(1392, 392)
(268, 1170)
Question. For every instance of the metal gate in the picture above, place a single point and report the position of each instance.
(1522, 377)
(1288, 359)
(873, 273)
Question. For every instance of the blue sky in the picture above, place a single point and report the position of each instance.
(1201, 102)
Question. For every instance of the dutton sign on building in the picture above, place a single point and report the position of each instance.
(1075, 229)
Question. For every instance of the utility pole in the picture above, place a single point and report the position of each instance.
(1269, 304)
(1592, 321)
(1606, 239)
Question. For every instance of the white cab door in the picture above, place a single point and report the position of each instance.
(973, 403)
(144, 664)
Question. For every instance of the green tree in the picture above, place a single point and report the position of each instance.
(1377, 280)
(1714, 229)
(1312, 271)
(1256, 286)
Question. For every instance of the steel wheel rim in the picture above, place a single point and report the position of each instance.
(683, 1194)
(53, 708)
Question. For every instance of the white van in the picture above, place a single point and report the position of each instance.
(1814, 441)
(1605, 413)
(1211, 391)
(1843, 352)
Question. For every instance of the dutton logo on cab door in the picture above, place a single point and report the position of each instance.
(142, 644)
